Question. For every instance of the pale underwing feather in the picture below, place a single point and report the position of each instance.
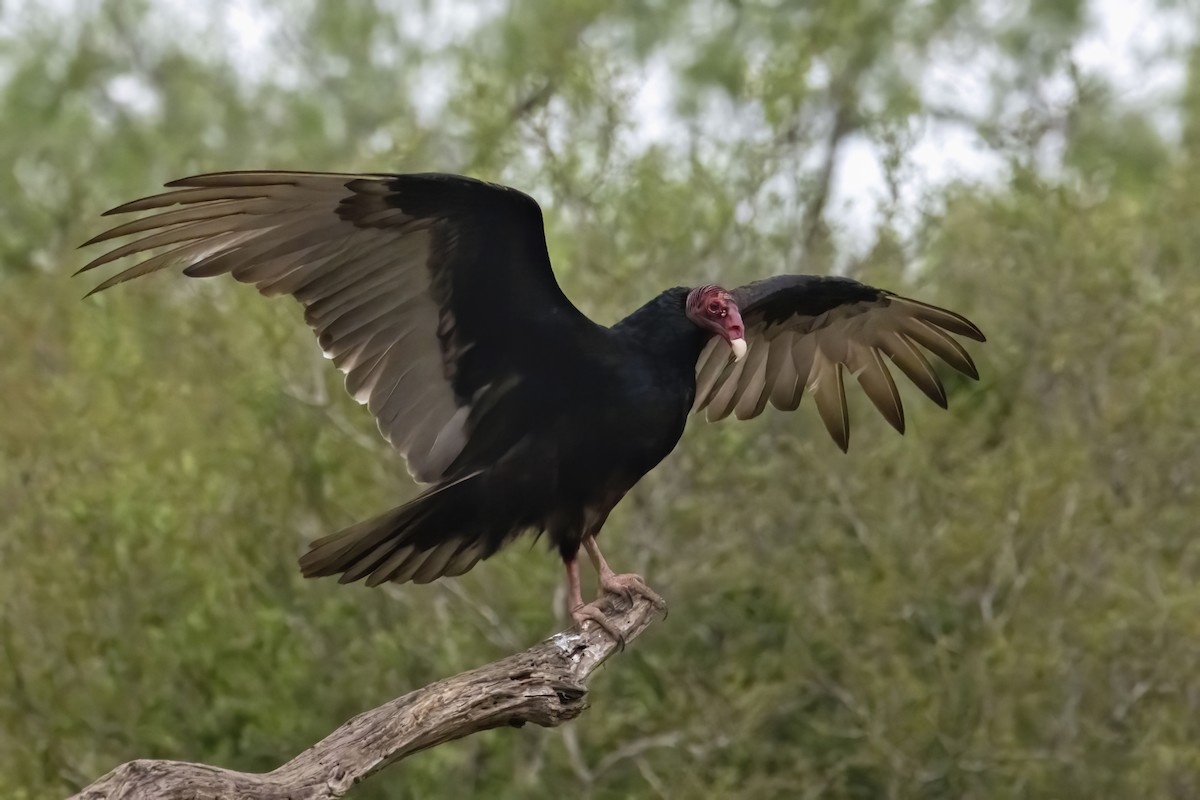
(940, 344)
(781, 373)
(913, 363)
(179, 216)
(189, 196)
(873, 376)
(711, 363)
(436, 561)
(722, 399)
(463, 560)
(750, 397)
(391, 565)
(825, 383)
(368, 562)
(941, 317)
(315, 256)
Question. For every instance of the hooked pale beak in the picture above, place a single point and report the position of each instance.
(735, 332)
(739, 348)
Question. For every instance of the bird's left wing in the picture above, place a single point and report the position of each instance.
(803, 329)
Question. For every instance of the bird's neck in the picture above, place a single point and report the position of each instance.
(661, 330)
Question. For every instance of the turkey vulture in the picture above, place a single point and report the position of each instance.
(434, 294)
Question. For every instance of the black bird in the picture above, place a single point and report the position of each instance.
(434, 295)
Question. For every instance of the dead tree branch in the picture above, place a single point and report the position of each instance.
(545, 685)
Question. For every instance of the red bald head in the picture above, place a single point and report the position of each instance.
(713, 309)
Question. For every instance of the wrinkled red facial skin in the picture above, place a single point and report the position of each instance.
(713, 309)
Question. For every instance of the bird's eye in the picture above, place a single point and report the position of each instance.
(714, 307)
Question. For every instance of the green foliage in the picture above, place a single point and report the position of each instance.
(1003, 603)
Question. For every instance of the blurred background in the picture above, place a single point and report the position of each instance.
(1003, 603)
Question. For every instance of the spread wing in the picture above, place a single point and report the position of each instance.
(430, 292)
(803, 329)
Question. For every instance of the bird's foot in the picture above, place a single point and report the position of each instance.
(628, 585)
(593, 613)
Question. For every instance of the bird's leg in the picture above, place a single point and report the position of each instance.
(583, 612)
(626, 585)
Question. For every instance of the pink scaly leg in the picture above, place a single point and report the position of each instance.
(625, 585)
(585, 612)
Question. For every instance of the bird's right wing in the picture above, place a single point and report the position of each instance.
(432, 293)
(803, 329)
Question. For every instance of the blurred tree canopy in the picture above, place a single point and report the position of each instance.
(1004, 603)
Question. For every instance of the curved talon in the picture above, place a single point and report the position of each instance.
(629, 584)
(592, 613)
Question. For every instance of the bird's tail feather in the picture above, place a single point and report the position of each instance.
(435, 534)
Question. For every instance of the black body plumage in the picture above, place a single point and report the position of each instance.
(590, 429)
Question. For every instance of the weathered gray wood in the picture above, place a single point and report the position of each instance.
(544, 685)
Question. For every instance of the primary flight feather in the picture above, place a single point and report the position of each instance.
(434, 295)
